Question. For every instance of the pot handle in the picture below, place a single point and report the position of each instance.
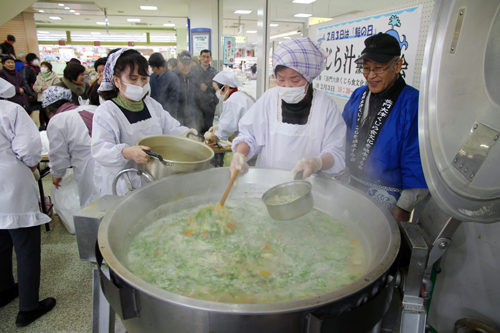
(139, 172)
(123, 298)
(349, 321)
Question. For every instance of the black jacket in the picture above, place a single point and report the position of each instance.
(187, 111)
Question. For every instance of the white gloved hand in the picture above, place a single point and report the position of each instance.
(210, 134)
(239, 162)
(308, 165)
(192, 137)
(36, 174)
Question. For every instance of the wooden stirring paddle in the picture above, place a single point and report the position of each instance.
(224, 197)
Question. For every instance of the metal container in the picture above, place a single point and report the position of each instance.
(302, 202)
(180, 155)
(146, 308)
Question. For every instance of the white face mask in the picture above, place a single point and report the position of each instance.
(292, 95)
(36, 62)
(134, 92)
(43, 70)
(220, 96)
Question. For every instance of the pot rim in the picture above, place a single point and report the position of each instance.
(177, 137)
(345, 292)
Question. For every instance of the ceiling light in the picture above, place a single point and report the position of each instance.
(169, 24)
(72, 11)
(241, 11)
(42, 32)
(61, 4)
(133, 20)
(55, 18)
(77, 13)
(95, 33)
(149, 8)
(251, 32)
(287, 37)
(41, 11)
(66, 7)
(302, 15)
(303, 1)
(273, 25)
(101, 23)
(285, 34)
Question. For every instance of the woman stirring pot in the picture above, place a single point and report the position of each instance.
(128, 115)
(293, 125)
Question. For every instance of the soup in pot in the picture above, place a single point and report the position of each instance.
(247, 257)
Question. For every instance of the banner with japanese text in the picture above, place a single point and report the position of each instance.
(229, 49)
(344, 43)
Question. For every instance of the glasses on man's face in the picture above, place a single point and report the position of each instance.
(377, 70)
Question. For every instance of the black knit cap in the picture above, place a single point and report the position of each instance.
(157, 60)
(380, 48)
(4, 59)
(30, 57)
(11, 38)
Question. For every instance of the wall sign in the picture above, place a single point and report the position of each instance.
(228, 52)
(345, 41)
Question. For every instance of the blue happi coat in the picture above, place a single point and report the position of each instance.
(395, 158)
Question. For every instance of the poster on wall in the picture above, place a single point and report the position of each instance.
(344, 43)
(229, 50)
(200, 42)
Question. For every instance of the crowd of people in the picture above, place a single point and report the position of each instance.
(95, 129)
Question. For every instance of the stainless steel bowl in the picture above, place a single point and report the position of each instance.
(297, 198)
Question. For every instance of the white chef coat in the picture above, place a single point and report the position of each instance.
(233, 109)
(112, 132)
(20, 148)
(280, 145)
(69, 143)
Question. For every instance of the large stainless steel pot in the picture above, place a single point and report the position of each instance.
(147, 308)
(180, 155)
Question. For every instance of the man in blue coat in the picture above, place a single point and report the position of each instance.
(164, 84)
(382, 153)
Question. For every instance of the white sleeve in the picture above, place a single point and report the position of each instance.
(253, 127)
(334, 138)
(59, 156)
(24, 136)
(106, 147)
(228, 123)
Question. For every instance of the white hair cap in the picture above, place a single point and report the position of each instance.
(227, 77)
(7, 90)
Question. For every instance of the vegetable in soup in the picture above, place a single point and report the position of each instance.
(247, 257)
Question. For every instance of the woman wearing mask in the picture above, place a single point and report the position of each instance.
(128, 115)
(30, 72)
(74, 80)
(235, 104)
(293, 125)
(10, 74)
(46, 78)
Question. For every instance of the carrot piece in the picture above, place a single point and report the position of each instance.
(190, 219)
(189, 232)
(205, 234)
(264, 273)
(156, 253)
(310, 295)
(306, 233)
(231, 226)
(155, 232)
(280, 236)
(267, 248)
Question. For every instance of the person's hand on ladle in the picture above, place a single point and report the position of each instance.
(239, 162)
(136, 153)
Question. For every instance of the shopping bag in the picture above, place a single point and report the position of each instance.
(66, 200)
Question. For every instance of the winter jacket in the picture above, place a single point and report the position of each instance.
(165, 90)
(16, 80)
(41, 82)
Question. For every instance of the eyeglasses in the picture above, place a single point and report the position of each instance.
(378, 70)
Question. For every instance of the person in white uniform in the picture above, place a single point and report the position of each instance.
(20, 216)
(69, 132)
(235, 104)
(293, 125)
(127, 115)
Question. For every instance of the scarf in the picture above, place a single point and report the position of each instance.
(368, 129)
(128, 105)
(79, 90)
(46, 75)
